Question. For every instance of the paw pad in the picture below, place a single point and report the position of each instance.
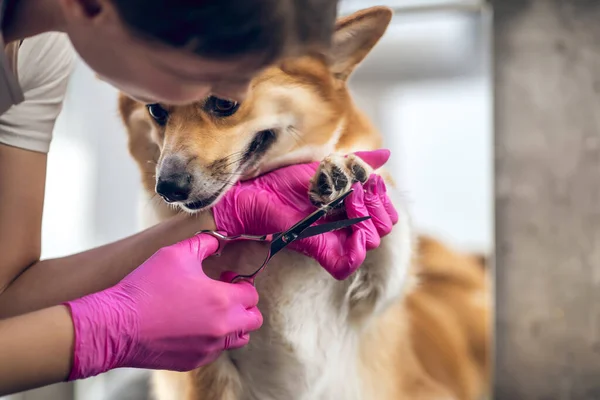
(335, 176)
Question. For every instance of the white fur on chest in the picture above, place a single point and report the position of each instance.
(312, 353)
(307, 349)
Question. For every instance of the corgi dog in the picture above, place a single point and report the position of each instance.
(381, 334)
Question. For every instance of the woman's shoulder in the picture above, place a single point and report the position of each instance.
(44, 65)
(45, 59)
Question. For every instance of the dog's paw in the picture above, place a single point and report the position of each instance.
(335, 176)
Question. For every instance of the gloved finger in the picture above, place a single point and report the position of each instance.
(386, 201)
(229, 276)
(289, 180)
(202, 245)
(253, 320)
(339, 252)
(342, 264)
(243, 323)
(356, 208)
(375, 158)
(241, 291)
(375, 207)
(236, 341)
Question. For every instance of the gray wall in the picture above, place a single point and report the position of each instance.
(547, 148)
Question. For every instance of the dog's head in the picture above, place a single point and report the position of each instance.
(295, 111)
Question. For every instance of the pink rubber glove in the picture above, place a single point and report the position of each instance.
(275, 201)
(166, 314)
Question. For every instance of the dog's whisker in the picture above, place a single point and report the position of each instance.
(240, 158)
(234, 173)
(235, 154)
(295, 134)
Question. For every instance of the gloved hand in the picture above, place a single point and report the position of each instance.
(275, 201)
(166, 314)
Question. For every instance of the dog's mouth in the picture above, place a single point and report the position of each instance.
(255, 153)
(247, 167)
(201, 204)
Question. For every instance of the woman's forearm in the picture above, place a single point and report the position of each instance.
(36, 349)
(50, 282)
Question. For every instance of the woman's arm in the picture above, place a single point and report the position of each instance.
(27, 284)
(167, 314)
(36, 349)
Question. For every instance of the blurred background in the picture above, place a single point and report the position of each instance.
(427, 86)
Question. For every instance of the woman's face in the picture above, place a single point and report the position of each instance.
(151, 72)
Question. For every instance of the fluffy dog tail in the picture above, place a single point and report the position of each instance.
(450, 313)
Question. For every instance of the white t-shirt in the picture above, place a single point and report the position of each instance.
(44, 64)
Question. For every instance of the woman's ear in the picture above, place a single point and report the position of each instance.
(355, 36)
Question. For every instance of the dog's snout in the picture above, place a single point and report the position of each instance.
(174, 182)
(175, 187)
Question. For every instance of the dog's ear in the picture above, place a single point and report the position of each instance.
(355, 35)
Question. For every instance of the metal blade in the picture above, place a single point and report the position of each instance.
(295, 232)
(328, 227)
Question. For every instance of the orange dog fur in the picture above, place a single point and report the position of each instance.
(405, 326)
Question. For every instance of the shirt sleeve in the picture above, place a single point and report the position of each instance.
(45, 63)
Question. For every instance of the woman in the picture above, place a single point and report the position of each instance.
(85, 314)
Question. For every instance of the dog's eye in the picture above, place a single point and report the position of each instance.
(221, 107)
(159, 114)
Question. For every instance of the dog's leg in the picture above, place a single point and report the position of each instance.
(216, 381)
(383, 277)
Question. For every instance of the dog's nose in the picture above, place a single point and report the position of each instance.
(174, 187)
(174, 182)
